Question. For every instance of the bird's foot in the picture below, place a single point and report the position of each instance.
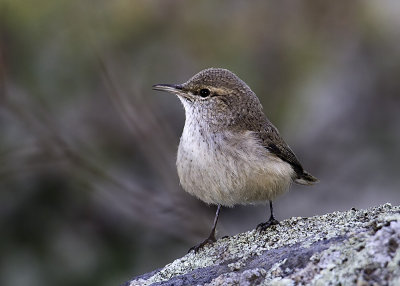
(264, 225)
(209, 240)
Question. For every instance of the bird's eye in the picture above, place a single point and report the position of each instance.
(204, 92)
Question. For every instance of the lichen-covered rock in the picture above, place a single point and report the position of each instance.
(357, 247)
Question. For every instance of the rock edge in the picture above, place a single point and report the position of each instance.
(356, 247)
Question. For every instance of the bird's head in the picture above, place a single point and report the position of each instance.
(214, 94)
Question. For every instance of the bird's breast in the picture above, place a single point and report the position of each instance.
(228, 167)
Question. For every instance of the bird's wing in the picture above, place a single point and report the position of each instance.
(274, 143)
(270, 138)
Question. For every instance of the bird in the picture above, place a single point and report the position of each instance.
(229, 152)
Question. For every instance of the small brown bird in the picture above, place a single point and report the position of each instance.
(229, 152)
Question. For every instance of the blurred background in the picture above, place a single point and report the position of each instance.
(89, 193)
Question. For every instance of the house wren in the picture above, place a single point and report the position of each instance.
(229, 152)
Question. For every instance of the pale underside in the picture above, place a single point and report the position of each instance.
(230, 168)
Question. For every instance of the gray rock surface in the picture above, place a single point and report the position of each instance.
(357, 247)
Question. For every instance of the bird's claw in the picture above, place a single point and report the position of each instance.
(264, 225)
(196, 248)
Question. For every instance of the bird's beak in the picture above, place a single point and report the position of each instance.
(174, 88)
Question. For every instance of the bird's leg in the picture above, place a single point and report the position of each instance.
(211, 238)
(272, 221)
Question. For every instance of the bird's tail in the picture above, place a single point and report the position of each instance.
(306, 179)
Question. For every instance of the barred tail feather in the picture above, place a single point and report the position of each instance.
(306, 179)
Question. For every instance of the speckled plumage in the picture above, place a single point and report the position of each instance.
(229, 152)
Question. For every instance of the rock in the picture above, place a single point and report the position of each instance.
(357, 247)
